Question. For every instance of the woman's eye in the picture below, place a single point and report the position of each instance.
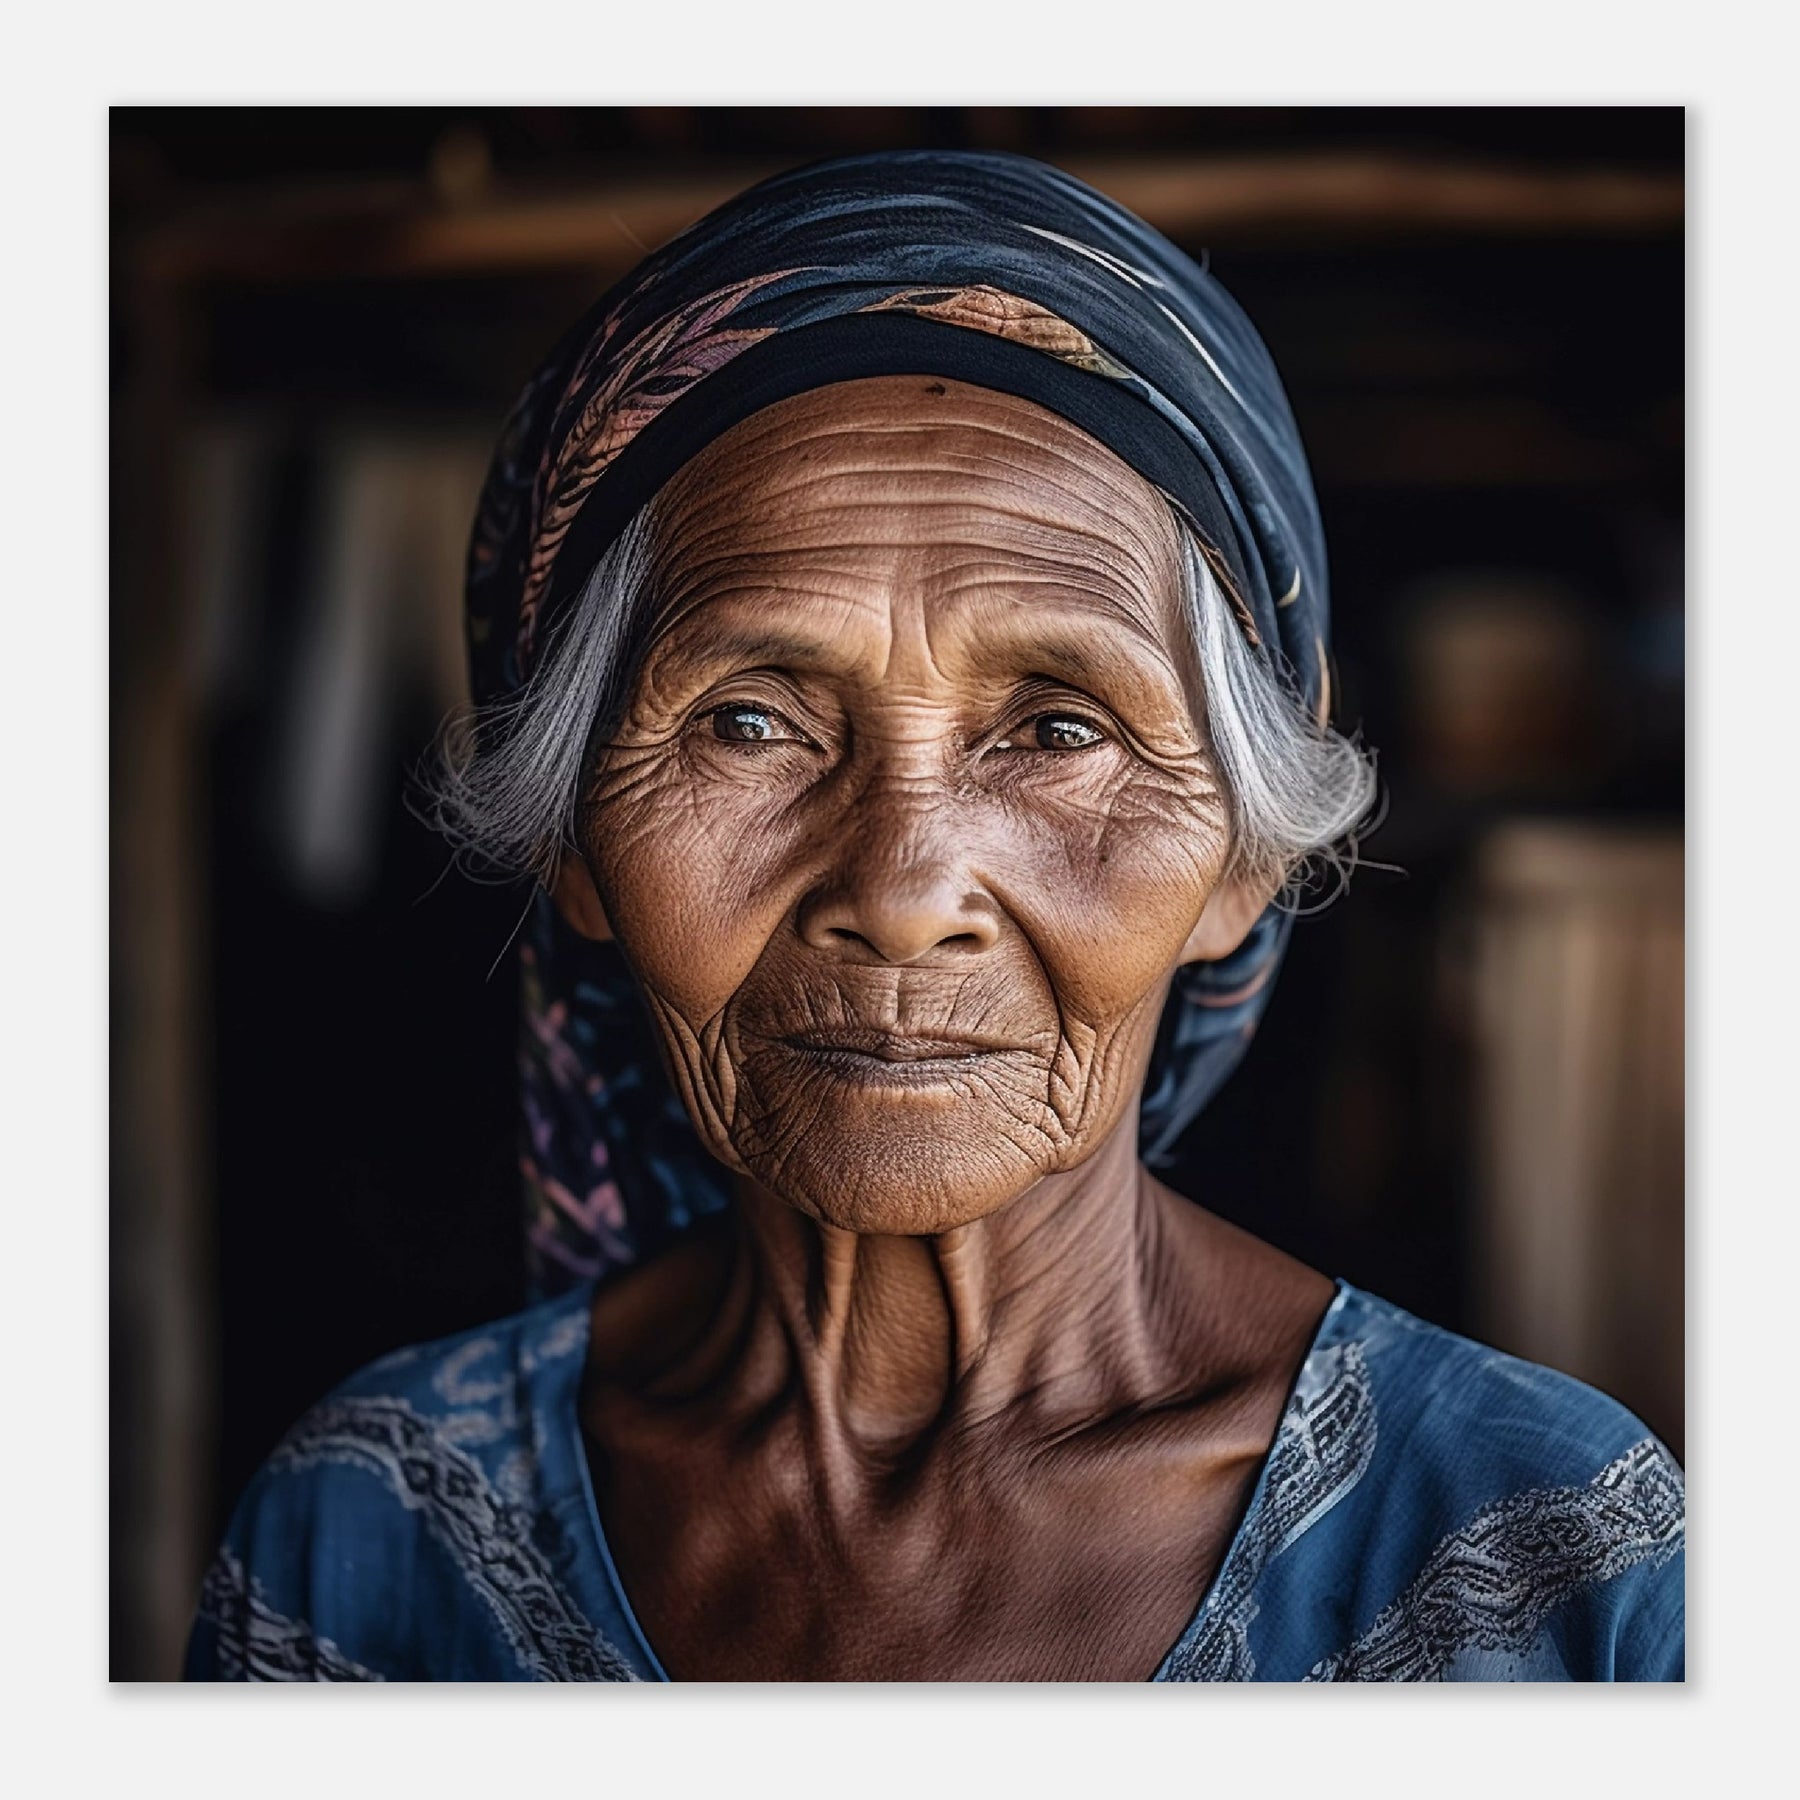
(1054, 731)
(751, 725)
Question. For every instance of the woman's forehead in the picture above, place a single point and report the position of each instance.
(938, 446)
(900, 487)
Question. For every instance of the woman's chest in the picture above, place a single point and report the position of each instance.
(1087, 1569)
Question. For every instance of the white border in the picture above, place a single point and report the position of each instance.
(73, 1733)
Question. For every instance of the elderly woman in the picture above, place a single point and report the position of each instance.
(898, 623)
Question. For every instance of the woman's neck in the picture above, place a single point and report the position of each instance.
(1061, 1302)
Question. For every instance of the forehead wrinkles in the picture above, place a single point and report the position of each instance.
(800, 473)
(947, 552)
(877, 510)
(863, 530)
(892, 437)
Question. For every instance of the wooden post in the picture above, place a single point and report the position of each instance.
(163, 1402)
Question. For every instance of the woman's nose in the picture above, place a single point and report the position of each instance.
(900, 896)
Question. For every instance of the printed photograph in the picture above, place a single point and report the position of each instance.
(897, 894)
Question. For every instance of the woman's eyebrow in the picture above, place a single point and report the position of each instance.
(714, 645)
(1076, 646)
(1087, 646)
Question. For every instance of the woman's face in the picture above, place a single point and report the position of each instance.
(908, 822)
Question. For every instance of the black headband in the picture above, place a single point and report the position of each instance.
(863, 345)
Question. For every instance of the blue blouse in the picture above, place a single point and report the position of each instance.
(1431, 1510)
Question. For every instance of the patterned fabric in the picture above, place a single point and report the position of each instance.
(1320, 1453)
(1491, 1586)
(1431, 1510)
(992, 269)
(431, 1520)
(256, 1643)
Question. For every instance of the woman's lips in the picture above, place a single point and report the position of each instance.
(894, 1059)
(894, 1046)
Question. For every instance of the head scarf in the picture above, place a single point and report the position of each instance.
(990, 269)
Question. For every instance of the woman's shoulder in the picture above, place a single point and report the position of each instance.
(473, 1373)
(1481, 1413)
(433, 1499)
(419, 1414)
(1472, 1515)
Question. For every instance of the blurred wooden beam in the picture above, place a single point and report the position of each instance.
(1384, 196)
(1578, 970)
(1467, 440)
(163, 1406)
(406, 229)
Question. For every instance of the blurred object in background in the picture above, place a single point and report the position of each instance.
(320, 318)
(381, 622)
(1501, 682)
(1577, 967)
(376, 629)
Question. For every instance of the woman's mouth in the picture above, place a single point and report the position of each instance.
(892, 1058)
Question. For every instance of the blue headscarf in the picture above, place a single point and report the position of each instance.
(990, 269)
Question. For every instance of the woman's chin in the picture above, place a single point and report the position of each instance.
(899, 1181)
(909, 1147)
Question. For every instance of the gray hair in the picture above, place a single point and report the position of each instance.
(1299, 789)
(505, 784)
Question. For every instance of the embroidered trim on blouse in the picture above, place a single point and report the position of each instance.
(488, 1536)
(1326, 1440)
(257, 1643)
(1493, 1584)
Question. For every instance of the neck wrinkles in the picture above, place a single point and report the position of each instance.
(1049, 1310)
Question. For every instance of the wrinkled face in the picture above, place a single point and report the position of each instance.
(909, 822)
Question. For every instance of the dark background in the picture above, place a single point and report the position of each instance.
(1479, 314)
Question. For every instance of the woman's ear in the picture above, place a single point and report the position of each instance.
(578, 900)
(1231, 909)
